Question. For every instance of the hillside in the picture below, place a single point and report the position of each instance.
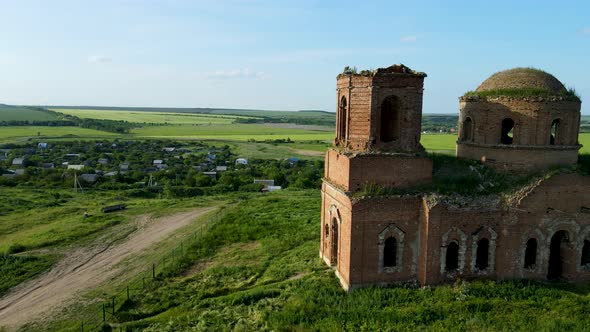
(20, 113)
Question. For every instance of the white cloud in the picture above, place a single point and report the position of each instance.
(99, 59)
(586, 31)
(408, 39)
(238, 73)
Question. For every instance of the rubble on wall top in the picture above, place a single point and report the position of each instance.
(394, 69)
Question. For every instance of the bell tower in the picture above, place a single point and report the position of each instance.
(377, 145)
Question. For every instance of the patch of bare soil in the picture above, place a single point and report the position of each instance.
(84, 269)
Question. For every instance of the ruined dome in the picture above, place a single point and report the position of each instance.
(522, 79)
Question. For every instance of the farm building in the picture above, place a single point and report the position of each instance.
(383, 220)
(241, 161)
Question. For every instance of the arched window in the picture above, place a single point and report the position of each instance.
(452, 258)
(334, 241)
(554, 133)
(507, 131)
(390, 252)
(390, 119)
(327, 230)
(481, 259)
(530, 254)
(342, 119)
(467, 130)
(585, 254)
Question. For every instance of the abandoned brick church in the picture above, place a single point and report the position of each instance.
(383, 220)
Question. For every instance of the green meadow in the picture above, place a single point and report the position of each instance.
(257, 269)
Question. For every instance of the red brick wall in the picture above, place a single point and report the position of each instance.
(519, 157)
(365, 95)
(351, 172)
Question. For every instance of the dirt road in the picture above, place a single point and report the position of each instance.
(84, 269)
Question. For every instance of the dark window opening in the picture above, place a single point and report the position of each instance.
(481, 259)
(585, 254)
(555, 269)
(342, 119)
(327, 230)
(467, 130)
(507, 131)
(390, 119)
(452, 258)
(334, 241)
(530, 254)
(390, 252)
(554, 135)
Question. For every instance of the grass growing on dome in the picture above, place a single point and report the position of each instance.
(519, 93)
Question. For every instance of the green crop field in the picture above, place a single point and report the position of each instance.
(17, 113)
(11, 134)
(151, 117)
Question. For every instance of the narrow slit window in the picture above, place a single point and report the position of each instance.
(530, 254)
(452, 258)
(390, 252)
(482, 254)
(554, 136)
(467, 130)
(342, 119)
(586, 254)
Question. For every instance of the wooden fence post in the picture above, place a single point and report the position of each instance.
(104, 313)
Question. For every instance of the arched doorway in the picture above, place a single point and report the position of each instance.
(334, 258)
(556, 252)
(390, 119)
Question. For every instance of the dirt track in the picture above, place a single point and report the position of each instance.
(84, 269)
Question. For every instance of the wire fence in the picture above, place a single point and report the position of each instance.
(107, 317)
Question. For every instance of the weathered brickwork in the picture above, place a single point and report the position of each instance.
(544, 233)
(545, 129)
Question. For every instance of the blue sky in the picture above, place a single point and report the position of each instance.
(273, 54)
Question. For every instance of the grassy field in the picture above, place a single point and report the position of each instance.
(257, 269)
(152, 117)
(16, 113)
(12, 134)
(236, 132)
